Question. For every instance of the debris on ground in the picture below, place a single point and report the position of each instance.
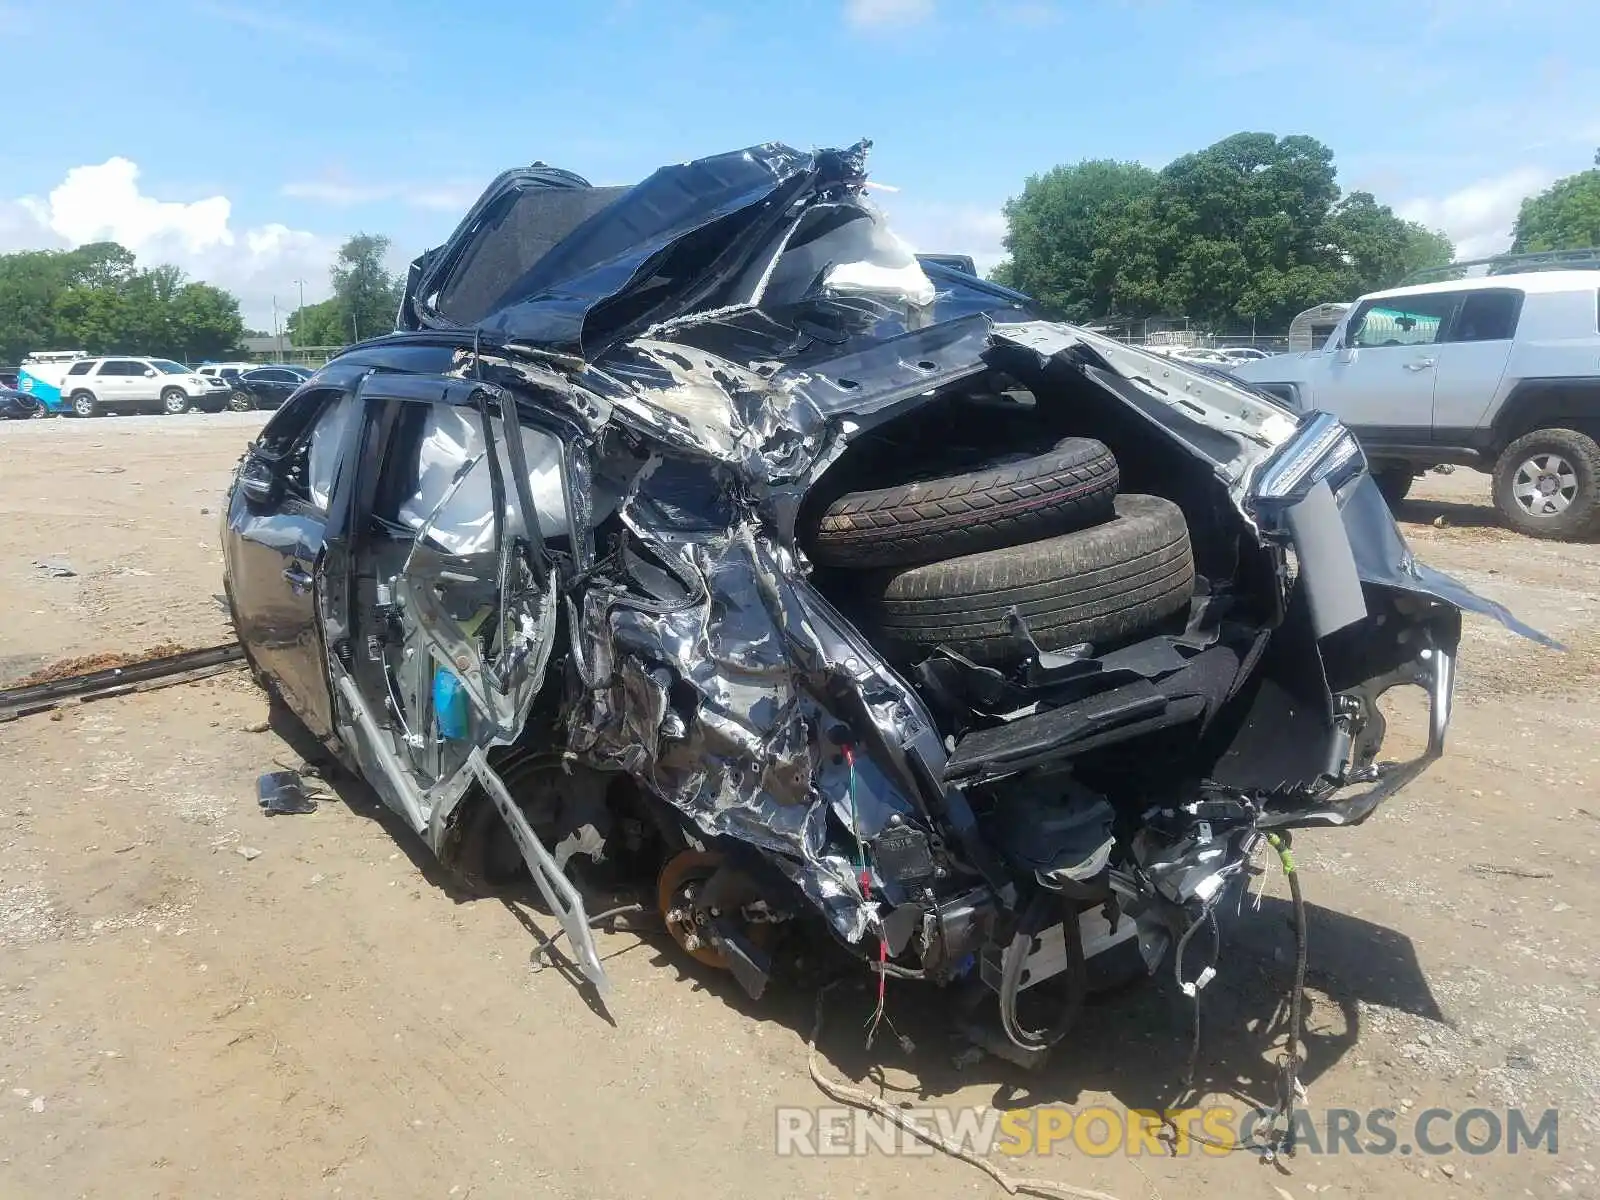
(104, 661)
(56, 568)
(248, 853)
(281, 793)
(1514, 872)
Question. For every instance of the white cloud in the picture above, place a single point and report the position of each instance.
(441, 197)
(879, 14)
(1479, 217)
(103, 202)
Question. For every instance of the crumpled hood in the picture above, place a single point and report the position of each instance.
(634, 257)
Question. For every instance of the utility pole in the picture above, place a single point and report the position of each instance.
(277, 334)
(300, 313)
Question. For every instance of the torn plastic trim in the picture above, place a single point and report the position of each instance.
(724, 704)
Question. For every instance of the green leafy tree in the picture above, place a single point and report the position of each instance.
(1056, 226)
(319, 325)
(1565, 216)
(95, 298)
(31, 287)
(367, 292)
(1252, 228)
(1379, 249)
(205, 323)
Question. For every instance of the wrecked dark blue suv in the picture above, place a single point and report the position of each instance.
(700, 532)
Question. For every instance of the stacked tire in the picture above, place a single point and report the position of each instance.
(950, 562)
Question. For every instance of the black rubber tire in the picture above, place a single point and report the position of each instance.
(1101, 585)
(172, 396)
(1581, 518)
(84, 405)
(1395, 483)
(1069, 488)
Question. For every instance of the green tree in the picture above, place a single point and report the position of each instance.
(1565, 216)
(205, 322)
(95, 298)
(319, 325)
(367, 292)
(1377, 248)
(31, 286)
(1252, 228)
(1057, 225)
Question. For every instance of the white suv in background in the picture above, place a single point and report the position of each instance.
(126, 384)
(1501, 373)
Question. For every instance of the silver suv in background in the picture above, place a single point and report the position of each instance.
(1501, 373)
(128, 384)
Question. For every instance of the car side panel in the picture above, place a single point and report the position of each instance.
(272, 558)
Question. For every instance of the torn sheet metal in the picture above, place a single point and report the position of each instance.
(1382, 557)
(575, 298)
(715, 702)
(1230, 427)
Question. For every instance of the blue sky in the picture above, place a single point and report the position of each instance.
(243, 139)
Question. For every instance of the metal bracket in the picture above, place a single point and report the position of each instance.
(557, 889)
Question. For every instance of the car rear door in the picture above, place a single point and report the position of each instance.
(114, 383)
(440, 590)
(457, 537)
(279, 385)
(1380, 380)
(1472, 362)
(272, 549)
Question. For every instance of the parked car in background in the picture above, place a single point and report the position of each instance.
(1501, 373)
(92, 386)
(18, 405)
(228, 371)
(1242, 354)
(9, 379)
(266, 387)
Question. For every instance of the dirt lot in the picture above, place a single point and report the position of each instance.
(329, 1017)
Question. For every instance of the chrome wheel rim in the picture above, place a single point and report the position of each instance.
(1545, 485)
(176, 403)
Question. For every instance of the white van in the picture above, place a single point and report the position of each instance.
(42, 373)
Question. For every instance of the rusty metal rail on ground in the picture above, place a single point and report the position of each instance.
(116, 681)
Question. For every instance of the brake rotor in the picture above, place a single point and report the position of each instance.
(683, 876)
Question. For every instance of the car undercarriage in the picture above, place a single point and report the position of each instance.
(700, 535)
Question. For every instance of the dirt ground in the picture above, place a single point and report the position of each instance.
(328, 1016)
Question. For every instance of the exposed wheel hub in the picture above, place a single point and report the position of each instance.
(676, 896)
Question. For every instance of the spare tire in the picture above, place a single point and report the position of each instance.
(1101, 585)
(1069, 488)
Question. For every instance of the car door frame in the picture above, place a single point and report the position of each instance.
(370, 441)
(380, 396)
(1420, 359)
